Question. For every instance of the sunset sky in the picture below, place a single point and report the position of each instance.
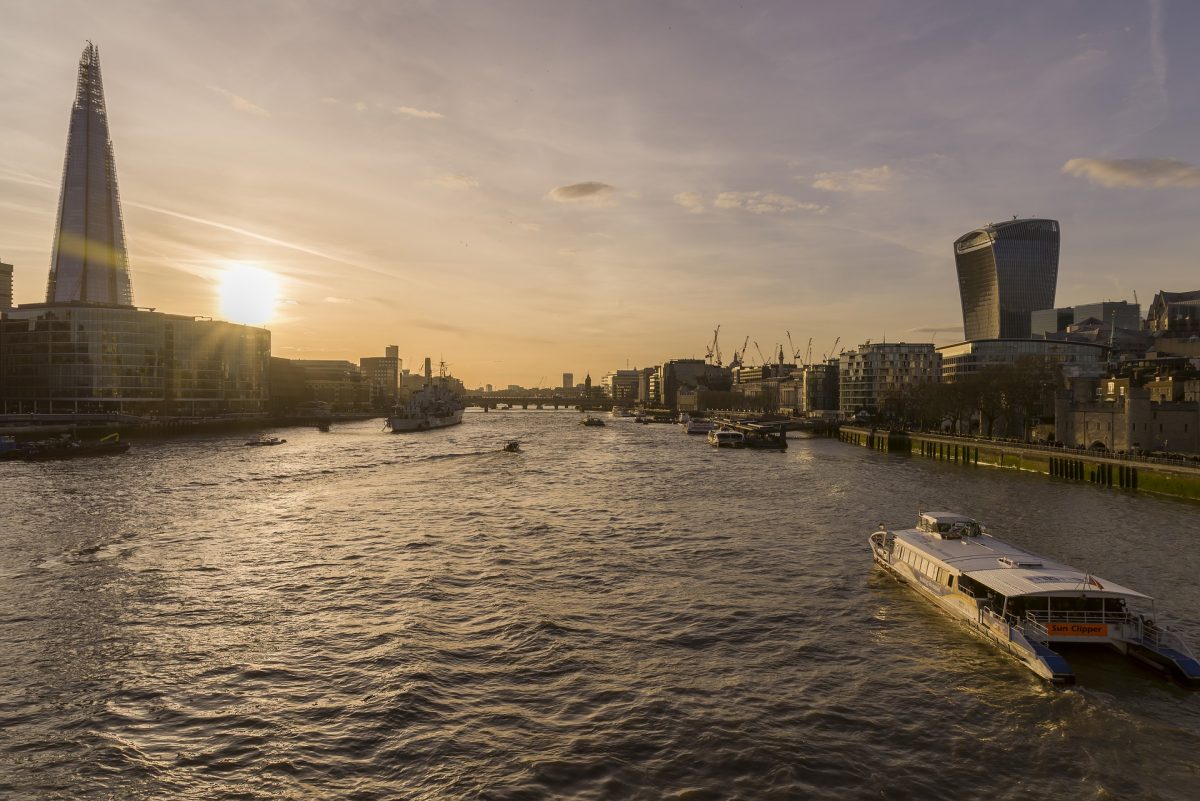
(528, 188)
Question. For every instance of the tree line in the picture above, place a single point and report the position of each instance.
(997, 400)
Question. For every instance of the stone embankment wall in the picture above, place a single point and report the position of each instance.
(1181, 481)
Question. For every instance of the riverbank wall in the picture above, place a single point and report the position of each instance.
(1180, 481)
(95, 426)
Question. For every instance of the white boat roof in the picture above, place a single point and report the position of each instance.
(1024, 573)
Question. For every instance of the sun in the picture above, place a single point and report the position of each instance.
(248, 294)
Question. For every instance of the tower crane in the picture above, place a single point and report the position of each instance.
(808, 353)
(714, 349)
(831, 350)
(792, 346)
(760, 353)
(739, 356)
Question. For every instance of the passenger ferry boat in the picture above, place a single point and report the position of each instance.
(1023, 603)
(698, 426)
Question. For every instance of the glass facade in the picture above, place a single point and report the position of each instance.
(66, 358)
(967, 357)
(1006, 271)
(90, 262)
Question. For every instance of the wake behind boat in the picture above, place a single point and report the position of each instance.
(1024, 603)
(432, 406)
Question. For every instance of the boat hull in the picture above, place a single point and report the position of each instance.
(404, 425)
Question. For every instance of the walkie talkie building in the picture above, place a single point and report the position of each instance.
(90, 263)
(1006, 271)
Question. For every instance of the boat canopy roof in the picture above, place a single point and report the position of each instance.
(1007, 569)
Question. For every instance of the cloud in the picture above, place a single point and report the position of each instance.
(934, 331)
(420, 113)
(691, 201)
(1142, 173)
(594, 191)
(333, 299)
(454, 180)
(864, 179)
(240, 103)
(532, 227)
(765, 203)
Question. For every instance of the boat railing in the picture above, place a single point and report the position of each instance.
(1158, 637)
(1034, 629)
(1044, 616)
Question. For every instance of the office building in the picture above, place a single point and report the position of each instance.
(6, 286)
(875, 372)
(383, 375)
(89, 262)
(623, 386)
(1006, 271)
(1077, 358)
(1119, 314)
(91, 357)
(568, 382)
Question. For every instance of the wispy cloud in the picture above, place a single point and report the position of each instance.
(864, 179)
(1141, 173)
(933, 332)
(240, 103)
(692, 201)
(335, 299)
(765, 203)
(419, 113)
(593, 191)
(454, 180)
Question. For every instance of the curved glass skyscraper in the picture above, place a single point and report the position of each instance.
(1006, 271)
(90, 263)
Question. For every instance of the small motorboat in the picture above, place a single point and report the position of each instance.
(724, 438)
(513, 447)
(591, 421)
(263, 439)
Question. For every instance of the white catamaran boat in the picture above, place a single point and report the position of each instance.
(1024, 603)
(432, 406)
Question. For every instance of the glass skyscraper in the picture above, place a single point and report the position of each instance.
(90, 263)
(87, 349)
(1006, 271)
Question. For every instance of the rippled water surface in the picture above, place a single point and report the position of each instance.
(613, 613)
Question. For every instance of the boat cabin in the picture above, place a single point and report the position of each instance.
(948, 525)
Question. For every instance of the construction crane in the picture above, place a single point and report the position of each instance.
(760, 353)
(808, 353)
(831, 350)
(792, 346)
(714, 349)
(739, 356)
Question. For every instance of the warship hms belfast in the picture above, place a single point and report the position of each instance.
(432, 406)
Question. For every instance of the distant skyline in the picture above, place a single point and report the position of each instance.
(530, 188)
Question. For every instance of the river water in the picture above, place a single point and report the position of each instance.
(613, 613)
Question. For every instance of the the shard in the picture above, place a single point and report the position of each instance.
(90, 263)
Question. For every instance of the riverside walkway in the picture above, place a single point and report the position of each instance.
(1176, 477)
